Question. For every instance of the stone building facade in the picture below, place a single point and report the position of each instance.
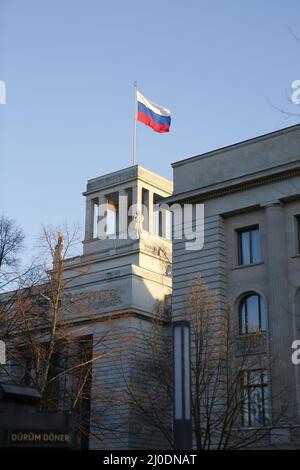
(111, 293)
(251, 258)
(122, 279)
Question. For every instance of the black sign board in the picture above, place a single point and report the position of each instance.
(38, 438)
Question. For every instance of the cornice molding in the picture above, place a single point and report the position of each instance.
(239, 184)
(128, 176)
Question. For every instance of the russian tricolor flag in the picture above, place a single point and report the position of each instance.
(153, 115)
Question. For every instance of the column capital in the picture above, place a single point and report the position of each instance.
(273, 203)
(122, 192)
(102, 199)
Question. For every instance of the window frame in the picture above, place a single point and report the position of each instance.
(240, 232)
(243, 301)
(263, 385)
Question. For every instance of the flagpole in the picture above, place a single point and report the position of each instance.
(134, 124)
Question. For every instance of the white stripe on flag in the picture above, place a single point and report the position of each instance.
(154, 107)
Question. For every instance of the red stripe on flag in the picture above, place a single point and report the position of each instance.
(151, 123)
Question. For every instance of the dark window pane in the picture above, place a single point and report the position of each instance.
(267, 405)
(245, 399)
(253, 313)
(243, 319)
(249, 246)
(255, 246)
(246, 412)
(255, 377)
(265, 377)
(245, 248)
(245, 379)
(256, 406)
(263, 325)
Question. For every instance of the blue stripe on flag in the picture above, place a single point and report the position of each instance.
(161, 120)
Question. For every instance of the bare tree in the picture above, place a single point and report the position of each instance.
(217, 368)
(11, 242)
(12, 278)
(220, 361)
(46, 347)
(149, 390)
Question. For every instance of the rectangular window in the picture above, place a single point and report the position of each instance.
(249, 245)
(255, 398)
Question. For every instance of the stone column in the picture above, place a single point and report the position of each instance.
(136, 206)
(89, 219)
(122, 214)
(102, 218)
(150, 211)
(167, 224)
(137, 196)
(279, 316)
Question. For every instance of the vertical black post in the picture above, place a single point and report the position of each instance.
(183, 439)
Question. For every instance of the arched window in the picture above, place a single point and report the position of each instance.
(252, 314)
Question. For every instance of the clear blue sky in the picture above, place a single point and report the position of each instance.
(69, 66)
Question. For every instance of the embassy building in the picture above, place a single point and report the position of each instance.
(251, 259)
(128, 294)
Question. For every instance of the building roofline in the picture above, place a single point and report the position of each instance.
(127, 174)
(240, 183)
(137, 167)
(235, 146)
